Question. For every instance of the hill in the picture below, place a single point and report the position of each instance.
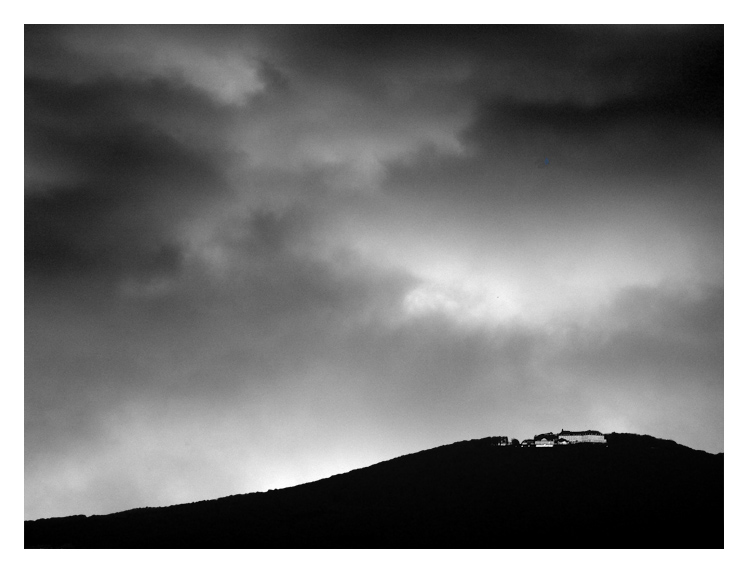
(637, 492)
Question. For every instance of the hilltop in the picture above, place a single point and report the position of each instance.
(637, 491)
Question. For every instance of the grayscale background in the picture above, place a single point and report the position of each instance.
(260, 256)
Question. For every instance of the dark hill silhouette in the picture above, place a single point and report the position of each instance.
(637, 492)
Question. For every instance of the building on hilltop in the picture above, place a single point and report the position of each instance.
(563, 438)
(545, 440)
(589, 436)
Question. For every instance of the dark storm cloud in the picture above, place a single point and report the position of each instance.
(257, 256)
(664, 124)
(558, 64)
(105, 190)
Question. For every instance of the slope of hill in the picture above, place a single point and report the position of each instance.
(638, 492)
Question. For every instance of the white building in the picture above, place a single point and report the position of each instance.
(545, 440)
(589, 436)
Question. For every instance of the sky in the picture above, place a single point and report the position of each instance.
(260, 256)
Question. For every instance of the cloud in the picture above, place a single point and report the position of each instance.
(137, 53)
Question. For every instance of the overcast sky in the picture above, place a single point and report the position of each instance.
(256, 257)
